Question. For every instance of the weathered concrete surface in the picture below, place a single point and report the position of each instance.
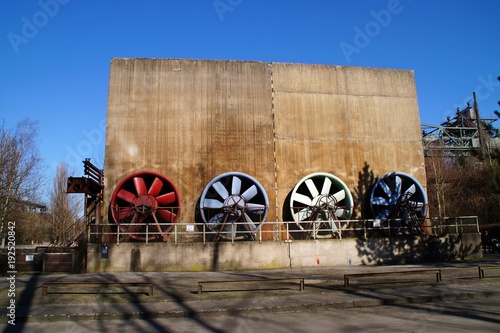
(192, 120)
(188, 256)
(348, 121)
(222, 256)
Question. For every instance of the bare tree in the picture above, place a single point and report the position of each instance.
(20, 173)
(64, 209)
(437, 186)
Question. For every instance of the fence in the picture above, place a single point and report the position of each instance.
(31, 260)
(279, 231)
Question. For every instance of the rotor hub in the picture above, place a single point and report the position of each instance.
(235, 205)
(145, 204)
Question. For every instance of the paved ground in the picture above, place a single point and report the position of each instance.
(175, 293)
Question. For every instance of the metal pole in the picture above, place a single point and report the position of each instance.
(260, 233)
(204, 236)
(175, 234)
(479, 128)
(232, 232)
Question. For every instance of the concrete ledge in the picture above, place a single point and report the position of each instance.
(248, 255)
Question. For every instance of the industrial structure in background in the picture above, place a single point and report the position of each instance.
(462, 134)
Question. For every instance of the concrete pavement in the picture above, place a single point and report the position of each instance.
(175, 293)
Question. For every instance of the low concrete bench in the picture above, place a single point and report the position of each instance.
(482, 268)
(259, 281)
(405, 272)
(46, 285)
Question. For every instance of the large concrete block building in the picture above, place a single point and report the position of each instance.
(192, 120)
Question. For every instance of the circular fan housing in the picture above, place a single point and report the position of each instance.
(398, 196)
(234, 205)
(318, 202)
(145, 198)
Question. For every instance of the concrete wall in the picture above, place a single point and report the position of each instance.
(267, 255)
(348, 121)
(190, 120)
(193, 120)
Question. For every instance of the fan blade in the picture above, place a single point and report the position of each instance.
(302, 199)
(212, 203)
(158, 227)
(333, 225)
(398, 184)
(254, 206)
(250, 193)
(236, 186)
(126, 196)
(302, 215)
(221, 190)
(384, 214)
(216, 220)
(155, 188)
(166, 199)
(124, 213)
(250, 225)
(379, 201)
(409, 192)
(134, 226)
(340, 195)
(385, 187)
(165, 216)
(140, 185)
(397, 190)
(312, 188)
(341, 212)
(231, 231)
(327, 184)
(417, 205)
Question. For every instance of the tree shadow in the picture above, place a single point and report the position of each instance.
(361, 195)
(401, 244)
(24, 304)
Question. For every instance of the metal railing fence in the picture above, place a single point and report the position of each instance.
(280, 231)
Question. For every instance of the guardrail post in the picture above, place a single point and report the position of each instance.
(232, 232)
(287, 230)
(204, 235)
(364, 229)
(260, 233)
(175, 234)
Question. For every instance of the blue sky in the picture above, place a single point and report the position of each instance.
(55, 54)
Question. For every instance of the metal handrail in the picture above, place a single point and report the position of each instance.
(360, 228)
